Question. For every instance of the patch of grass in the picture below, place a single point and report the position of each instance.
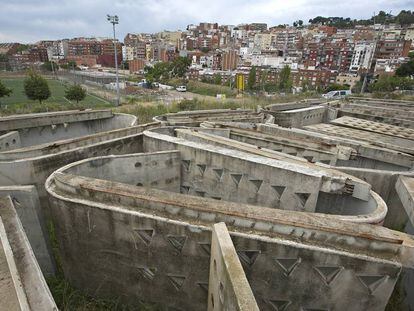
(210, 89)
(68, 298)
(146, 111)
(19, 103)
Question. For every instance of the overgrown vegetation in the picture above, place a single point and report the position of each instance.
(207, 89)
(146, 111)
(406, 69)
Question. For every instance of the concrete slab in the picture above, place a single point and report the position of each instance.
(228, 286)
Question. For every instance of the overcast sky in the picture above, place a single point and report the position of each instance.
(33, 20)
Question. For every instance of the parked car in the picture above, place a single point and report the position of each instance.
(337, 94)
(181, 88)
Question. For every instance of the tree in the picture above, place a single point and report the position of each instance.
(251, 80)
(390, 84)
(36, 87)
(4, 91)
(50, 66)
(179, 66)
(163, 71)
(407, 69)
(285, 81)
(75, 92)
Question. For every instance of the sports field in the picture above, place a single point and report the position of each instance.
(57, 90)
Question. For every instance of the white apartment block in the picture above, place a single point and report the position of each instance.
(362, 56)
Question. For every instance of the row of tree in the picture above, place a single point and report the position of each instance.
(37, 88)
(403, 18)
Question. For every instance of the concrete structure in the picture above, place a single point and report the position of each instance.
(228, 286)
(308, 190)
(22, 285)
(33, 146)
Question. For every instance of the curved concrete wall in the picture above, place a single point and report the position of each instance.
(31, 165)
(64, 128)
(167, 171)
(137, 243)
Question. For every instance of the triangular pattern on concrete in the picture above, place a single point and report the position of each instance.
(372, 282)
(219, 172)
(185, 189)
(309, 158)
(279, 305)
(325, 161)
(186, 164)
(203, 286)
(279, 190)
(147, 273)
(302, 197)
(257, 183)
(236, 178)
(288, 264)
(292, 153)
(177, 241)
(248, 257)
(145, 235)
(202, 168)
(176, 280)
(327, 273)
(206, 247)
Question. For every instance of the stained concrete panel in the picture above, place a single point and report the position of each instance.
(134, 243)
(228, 285)
(24, 283)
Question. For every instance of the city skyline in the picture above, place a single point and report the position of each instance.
(28, 21)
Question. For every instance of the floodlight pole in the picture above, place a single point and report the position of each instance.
(115, 20)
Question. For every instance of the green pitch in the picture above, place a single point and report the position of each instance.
(57, 90)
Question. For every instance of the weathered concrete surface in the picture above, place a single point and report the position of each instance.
(351, 152)
(25, 201)
(31, 164)
(400, 144)
(249, 178)
(159, 170)
(21, 121)
(375, 127)
(23, 286)
(194, 118)
(376, 115)
(228, 286)
(301, 117)
(405, 190)
(106, 230)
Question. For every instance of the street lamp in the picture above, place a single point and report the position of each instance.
(113, 19)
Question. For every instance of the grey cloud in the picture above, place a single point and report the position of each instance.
(32, 20)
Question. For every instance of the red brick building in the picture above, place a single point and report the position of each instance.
(136, 65)
(229, 60)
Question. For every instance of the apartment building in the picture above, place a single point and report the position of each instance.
(362, 56)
